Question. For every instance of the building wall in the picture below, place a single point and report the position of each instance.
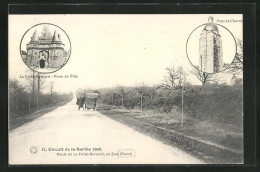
(210, 49)
(206, 51)
(210, 53)
(202, 50)
(218, 58)
(33, 57)
(55, 58)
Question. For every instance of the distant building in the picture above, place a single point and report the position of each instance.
(236, 81)
(46, 51)
(210, 48)
(233, 79)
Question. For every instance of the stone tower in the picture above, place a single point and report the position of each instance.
(210, 48)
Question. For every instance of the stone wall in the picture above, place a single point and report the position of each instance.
(210, 49)
(54, 58)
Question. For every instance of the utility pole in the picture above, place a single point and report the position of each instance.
(122, 102)
(142, 92)
(33, 89)
(51, 92)
(182, 85)
(29, 103)
(182, 106)
(38, 90)
(142, 103)
(112, 99)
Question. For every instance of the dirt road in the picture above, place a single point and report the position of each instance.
(69, 136)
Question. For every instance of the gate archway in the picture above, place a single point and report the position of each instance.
(42, 63)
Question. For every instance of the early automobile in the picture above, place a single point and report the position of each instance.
(87, 100)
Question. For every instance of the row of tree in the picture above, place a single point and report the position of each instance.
(24, 98)
(174, 89)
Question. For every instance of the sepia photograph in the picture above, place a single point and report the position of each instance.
(125, 89)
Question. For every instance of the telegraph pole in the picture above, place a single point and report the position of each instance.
(182, 106)
(38, 90)
(33, 91)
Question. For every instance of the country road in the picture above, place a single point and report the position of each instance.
(68, 136)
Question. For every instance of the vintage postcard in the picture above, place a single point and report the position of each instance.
(125, 89)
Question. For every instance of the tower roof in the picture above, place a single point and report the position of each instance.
(35, 37)
(46, 33)
(210, 26)
(56, 38)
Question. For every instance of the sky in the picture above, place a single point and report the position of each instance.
(116, 49)
(27, 36)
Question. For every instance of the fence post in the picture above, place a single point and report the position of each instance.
(182, 106)
(29, 103)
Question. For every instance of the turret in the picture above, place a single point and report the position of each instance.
(35, 37)
(46, 33)
(56, 38)
(210, 26)
(59, 36)
(210, 19)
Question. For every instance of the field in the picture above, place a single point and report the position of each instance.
(212, 127)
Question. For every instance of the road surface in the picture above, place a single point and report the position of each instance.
(68, 136)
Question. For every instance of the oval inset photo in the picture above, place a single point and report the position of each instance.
(45, 48)
(211, 47)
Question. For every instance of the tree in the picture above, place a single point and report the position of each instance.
(113, 96)
(17, 92)
(170, 79)
(123, 92)
(204, 77)
(175, 80)
(237, 64)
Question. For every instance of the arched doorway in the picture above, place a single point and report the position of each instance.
(43, 59)
(42, 63)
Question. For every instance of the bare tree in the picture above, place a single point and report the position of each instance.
(237, 64)
(113, 96)
(123, 92)
(204, 77)
(170, 79)
(17, 91)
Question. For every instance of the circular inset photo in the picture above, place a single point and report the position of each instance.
(211, 47)
(45, 48)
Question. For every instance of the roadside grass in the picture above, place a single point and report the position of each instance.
(220, 126)
(214, 132)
